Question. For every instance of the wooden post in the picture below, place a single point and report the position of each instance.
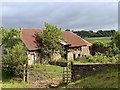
(71, 70)
(24, 72)
(63, 74)
(27, 73)
(67, 74)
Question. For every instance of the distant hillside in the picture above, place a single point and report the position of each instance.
(100, 33)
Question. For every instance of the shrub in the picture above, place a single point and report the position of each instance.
(78, 58)
(61, 60)
(97, 44)
(99, 58)
(14, 60)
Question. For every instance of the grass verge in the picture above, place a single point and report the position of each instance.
(9, 81)
(103, 79)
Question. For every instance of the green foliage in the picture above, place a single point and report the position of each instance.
(61, 60)
(97, 44)
(99, 33)
(101, 58)
(50, 40)
(14, 56)
(113, 50)
(14, 60)
(116, 39)
(114, 45)
(98, 58)
(81, 60)
(67, 30)
(10, 37)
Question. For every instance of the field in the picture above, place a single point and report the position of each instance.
(103, 39)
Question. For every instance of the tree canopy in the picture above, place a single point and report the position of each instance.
(116, 39)
(10, 37)
(99, 33)
(50, 39)
(14, 56)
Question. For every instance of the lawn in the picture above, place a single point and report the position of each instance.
(47, 68)
(9, 81)
(103, 79)
(103, 39)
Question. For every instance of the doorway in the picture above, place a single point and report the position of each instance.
(74, 56)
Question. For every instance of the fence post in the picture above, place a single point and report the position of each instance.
(63, 74)
(67, 74)
(71, 70)
(27, 73)
(24, 72)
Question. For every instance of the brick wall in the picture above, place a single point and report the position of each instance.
(82, 70)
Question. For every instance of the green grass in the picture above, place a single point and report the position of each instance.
(103, 79)
(103, 39)
(15, 84)
(9, 81)
(61, 60)
(47, 68)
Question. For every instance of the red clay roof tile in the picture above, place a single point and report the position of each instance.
(31, 44)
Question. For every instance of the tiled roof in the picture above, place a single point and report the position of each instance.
(28, 39)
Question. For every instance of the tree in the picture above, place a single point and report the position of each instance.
(14, 56)
(116, 39)
(114, 45)
(50, 40)
(10, 37)
(14, 60)
(67, 30)
(97, 44)
(99, 33)
(113, 50)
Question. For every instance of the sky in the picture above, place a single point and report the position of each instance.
(66, 15)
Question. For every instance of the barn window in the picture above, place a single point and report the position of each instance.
(79, 55)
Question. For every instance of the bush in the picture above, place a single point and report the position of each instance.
(78, 58)
(82, 59)
(61, 60)
(14, 60)
(97, 44)
(99, 58)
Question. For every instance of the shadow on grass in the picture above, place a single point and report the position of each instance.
(62, 85)
(6, 77)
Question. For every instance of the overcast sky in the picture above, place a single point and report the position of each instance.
(67, 15)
